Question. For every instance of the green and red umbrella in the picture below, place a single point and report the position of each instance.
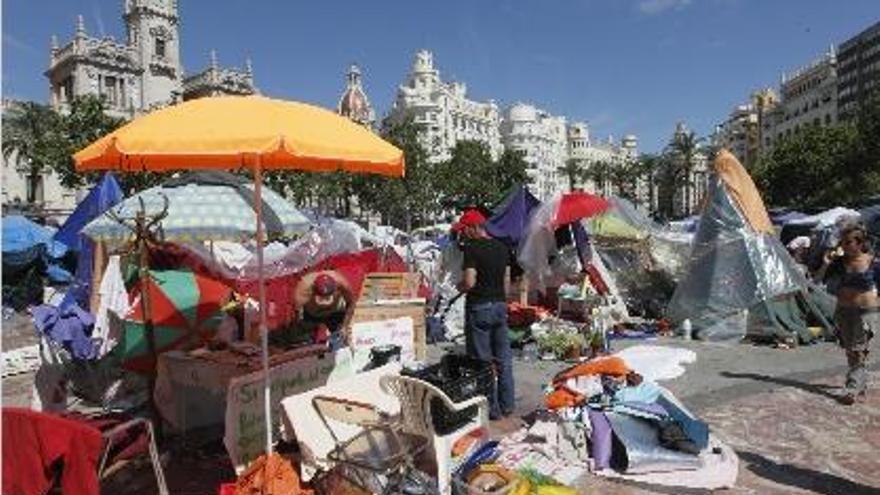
(186, 310)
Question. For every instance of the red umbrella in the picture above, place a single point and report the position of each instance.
(574, 206)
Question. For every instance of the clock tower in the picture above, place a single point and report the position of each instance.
(152, 28)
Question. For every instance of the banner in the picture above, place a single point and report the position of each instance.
(245, 436)
(398, 331)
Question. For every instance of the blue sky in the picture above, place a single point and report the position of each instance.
(625, 66)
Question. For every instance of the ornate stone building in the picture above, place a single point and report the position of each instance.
(444, 111)
(143, 72)
(541, 140)
(354, 103)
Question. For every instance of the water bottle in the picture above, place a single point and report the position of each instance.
(687, 329)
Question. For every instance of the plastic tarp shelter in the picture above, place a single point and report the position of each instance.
(101, 198)
(24, 241)
(736, 262)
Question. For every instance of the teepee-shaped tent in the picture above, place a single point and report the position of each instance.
(736, 262)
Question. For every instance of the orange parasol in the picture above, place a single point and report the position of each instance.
(244, 131)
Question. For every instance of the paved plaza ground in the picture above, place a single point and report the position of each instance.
(775, 407)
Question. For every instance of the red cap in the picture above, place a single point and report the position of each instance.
(324, 285)
(470, 218)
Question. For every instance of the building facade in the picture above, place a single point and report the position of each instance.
(858, 70)
(541, 140)
(749, 129)
(142, 73)
(809, 97)
(444, 111)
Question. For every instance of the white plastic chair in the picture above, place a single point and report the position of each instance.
(415, 398)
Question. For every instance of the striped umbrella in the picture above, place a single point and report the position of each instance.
(186, 310)
(201, 206)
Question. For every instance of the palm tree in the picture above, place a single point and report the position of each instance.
(684, 146)
(573, 171)
(649, 165)
(30, 138)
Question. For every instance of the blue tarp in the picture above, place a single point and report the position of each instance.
(25, 241)
(102, 197)
(511, 218)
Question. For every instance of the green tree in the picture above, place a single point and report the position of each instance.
(649, 165)
(599, 173)
(84, 123)
(573, 171)
(683, 148)
(402, 202)
(817, 166)
(30, 139)
(625, 178)
(507, 171)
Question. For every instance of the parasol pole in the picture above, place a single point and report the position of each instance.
(264, 330)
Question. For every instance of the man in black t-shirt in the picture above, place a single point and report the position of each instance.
(485, 281)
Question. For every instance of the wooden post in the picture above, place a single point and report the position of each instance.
(147, 311)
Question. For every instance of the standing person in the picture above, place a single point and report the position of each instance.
(485, 281)
(852, 273)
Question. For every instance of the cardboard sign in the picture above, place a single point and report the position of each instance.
(398, 331)
(245, 436)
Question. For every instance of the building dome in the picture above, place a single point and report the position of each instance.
(354, 103)
(520, 112)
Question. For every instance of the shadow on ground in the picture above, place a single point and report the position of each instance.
(803, 478)
(813, 388)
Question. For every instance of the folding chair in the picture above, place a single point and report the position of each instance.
(379, 457)
(110, 439)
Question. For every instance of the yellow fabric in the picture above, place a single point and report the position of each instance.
(743, 191)
(231, 131)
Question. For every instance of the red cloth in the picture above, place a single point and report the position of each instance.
(354, 267)
(33, 442)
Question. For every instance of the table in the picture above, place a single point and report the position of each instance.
(191, 390)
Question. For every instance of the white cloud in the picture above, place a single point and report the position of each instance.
(652, 7)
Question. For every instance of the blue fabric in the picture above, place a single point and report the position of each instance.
(486, 339)
(511, 218)
(646, 392)
(24, 241)
(70, 327)
(695, 429)
(642, 410)
(102, 197)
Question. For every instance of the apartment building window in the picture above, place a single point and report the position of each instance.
(827, 119)
(160, 47)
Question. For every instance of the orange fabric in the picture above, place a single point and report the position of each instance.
(272, 475)
(563, 397)
(743, 191)
(609, 365)
(233, 131)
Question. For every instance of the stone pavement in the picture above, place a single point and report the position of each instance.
(776, 408)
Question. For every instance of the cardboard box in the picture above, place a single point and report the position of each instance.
(390, 309)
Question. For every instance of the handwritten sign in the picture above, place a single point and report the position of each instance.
(398, 331)
(245, 436)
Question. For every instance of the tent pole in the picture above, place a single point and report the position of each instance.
(264, 330)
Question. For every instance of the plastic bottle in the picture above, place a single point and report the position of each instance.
(687, 329)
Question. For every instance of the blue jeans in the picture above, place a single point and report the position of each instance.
(486, 339)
